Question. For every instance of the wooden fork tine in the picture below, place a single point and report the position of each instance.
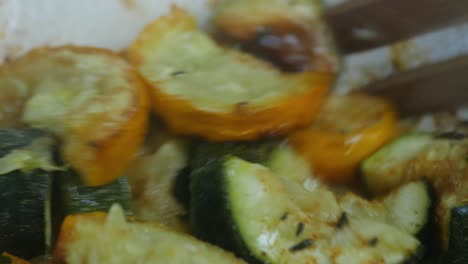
(364, 24)
(440, 86)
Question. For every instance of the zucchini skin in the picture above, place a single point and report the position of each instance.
(458, 243)
(181, 187)
(209, 215)
(71, 196)
(203, 152)
(208, 158)
(77, 198)
(11, 139)
(213, 219)
(23, 212)
(426, 234)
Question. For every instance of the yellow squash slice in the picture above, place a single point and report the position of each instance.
(347, 130)
(200, 88)
(89, 98)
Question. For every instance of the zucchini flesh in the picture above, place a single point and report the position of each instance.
(307, 191)
(385, 169)
(458, 244)
(439, 158)
(153, 178)
(96, 239)
(409, 208)
(245, 207)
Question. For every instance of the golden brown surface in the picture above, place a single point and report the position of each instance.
(88, 97)
(223, 95)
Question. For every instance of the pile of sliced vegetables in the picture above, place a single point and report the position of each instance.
(187, 151)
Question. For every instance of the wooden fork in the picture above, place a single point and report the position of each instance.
(365, 24)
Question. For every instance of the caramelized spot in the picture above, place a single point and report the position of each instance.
(288, 46)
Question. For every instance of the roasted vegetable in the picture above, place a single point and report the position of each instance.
(153, 177)
(441, 158)
(409, 208)
(306, 190)
(97, 238)
(201, 89)
(347, 130)
(291, 34)
(203, 152)
(78, 198)
(458, 244)
(90, 98)
(245, 207)
(385, 169)
(24, 213)
(438, 157)
(26, 169)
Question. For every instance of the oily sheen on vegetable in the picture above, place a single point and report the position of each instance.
(247, 208)
(438, 157)
(90, 98)
(202, 89)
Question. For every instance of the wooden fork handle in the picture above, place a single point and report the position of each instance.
(363, 24)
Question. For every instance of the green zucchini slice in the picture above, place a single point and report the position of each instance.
(441, 158)
(26, 170)
(409, 208)
(24, 212)
(245, 207)
(386, 169)
(71, 196)
(203, 152)
(458, 244)
(307, 191)
(76, 197)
